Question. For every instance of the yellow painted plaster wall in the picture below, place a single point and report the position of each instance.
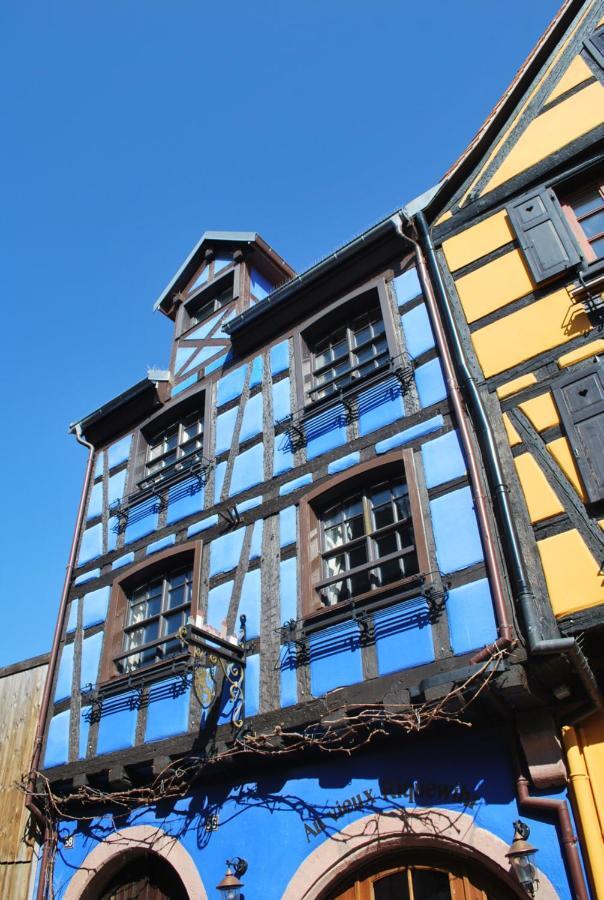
(541, 326)
(513, 436)
(540, 499)
(572, 574)
(517, 384)
(551, 131)
(592, 348)
(560, 449)
(592, 743)
(541, 411)
(478, 240)
(577, 72)
(494, 285)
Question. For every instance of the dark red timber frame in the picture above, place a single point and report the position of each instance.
(161, 564)
(335, 314)
(395, 463)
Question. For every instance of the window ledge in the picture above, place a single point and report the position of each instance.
(293, 424)
(358, 608)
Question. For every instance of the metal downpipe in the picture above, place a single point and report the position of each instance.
(30, 804)
(513, 554)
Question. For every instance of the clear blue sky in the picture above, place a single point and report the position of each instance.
(130, 127)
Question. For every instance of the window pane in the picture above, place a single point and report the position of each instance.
(357, 556)
(334, 536)
(409, 564)
(587, 203)
(355, 528)
(173, 622)
(178, 596)
(386, 544)
(359, 584)
(335, 565)
(392, 887)
(389, 572)
(336, 593)
(430, 885)
(594, 224)
(598, 248)
(150, 631)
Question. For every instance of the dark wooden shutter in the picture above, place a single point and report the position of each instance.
(580, 399)
(544, 234)
(594, 45)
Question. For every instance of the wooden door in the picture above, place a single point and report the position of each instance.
(147, 877)
(420, 880)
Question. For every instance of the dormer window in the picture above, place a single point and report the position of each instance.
(174, 444)
(195, 315)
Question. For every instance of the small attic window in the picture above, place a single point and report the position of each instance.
(199, 313)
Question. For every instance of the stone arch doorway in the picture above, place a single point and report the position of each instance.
(120, 858)
(387, 841)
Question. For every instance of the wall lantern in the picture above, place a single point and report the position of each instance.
(230, 886)
(522, 858)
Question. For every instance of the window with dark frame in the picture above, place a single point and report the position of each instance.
(348, 354)
(174, 444)
(194, 315)
(584, 210)
(367, 542)
(155, 612)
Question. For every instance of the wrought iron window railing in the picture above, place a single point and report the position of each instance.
(185, 476)
(344, 404)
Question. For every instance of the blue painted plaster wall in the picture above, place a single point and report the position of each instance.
(92, 544)
(325, 432)
(403, 636)
(65, 674)
(117, 724)
(225, 551)
(279, 357)
(455, 530)
(225, 423)
(288, 589)
(470, 616)
(335, 658)
(252, 418)
(119, 452)
(95, 605)
(443, 459)
(231, 386)
(57, 741)
(418, 331)
(218, 604)
(248, 470)
(168, 710)
(249, 604)
(281, 400)
(380, 405)
(91, 655)
(273, 809)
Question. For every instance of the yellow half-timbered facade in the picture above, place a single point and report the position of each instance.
(519, 240)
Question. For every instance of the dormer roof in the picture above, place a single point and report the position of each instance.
(222, 242)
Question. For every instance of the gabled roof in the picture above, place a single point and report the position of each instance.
(505, 107)
(215, 240)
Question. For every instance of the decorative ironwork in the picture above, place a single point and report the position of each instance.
(344, 405)
(589, 293)
(183, 478)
